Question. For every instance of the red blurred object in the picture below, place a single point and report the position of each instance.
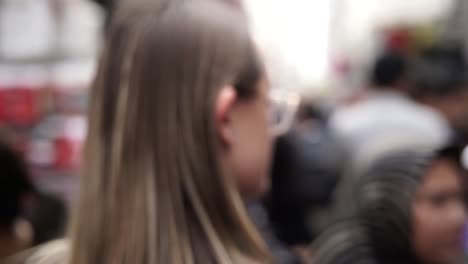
(69, 142)
(398, 40)
(63, 153)
(3, 102)
(19, 106)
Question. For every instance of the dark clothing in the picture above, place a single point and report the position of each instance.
(281, 254)
(306, 167)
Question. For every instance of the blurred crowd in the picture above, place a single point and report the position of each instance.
(191, 157)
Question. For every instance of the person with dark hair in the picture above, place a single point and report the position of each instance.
(389, 113)
(388, 120)
(439, 80)
(389, 72)
(14, 185)
(409, 209)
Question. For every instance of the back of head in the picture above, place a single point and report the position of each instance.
(389, 71)
(440, 80)
(384, 202)
(152, 191)
(440, 71)
(379, 230)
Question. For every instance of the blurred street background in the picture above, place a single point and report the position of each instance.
(331, 53)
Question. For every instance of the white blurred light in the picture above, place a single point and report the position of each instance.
(464, 158)
(361, 19)
(298, 30)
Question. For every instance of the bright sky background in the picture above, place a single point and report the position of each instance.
(297, 32)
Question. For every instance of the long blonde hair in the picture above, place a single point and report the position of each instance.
(151, 189)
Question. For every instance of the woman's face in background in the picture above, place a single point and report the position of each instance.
(439, 214)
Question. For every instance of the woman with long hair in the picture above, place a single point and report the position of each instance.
(410, 209)
(178, 140)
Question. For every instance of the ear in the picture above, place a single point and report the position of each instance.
(224, 104)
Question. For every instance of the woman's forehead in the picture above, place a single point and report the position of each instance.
(442, 174)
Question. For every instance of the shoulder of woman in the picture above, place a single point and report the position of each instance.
(54, 252)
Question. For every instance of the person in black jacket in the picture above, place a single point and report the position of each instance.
(307, 163)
